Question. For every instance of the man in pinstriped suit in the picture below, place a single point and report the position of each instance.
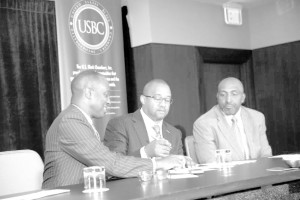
(73, 143)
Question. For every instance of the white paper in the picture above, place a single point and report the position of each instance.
(287, 156)
(212, 166)
(280, 169)
(37, 195)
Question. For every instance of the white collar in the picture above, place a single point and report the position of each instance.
(237, 116)
(148, 120)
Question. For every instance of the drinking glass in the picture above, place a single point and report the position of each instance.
(94, 179)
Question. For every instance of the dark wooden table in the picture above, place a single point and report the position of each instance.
(209, 184)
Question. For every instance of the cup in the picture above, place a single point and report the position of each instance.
(94, 179)
(145, 176)
(223, 156)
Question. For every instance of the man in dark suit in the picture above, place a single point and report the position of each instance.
(136, 133)
(72, 142)
(229, 125)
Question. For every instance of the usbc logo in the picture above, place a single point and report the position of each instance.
(91, 27)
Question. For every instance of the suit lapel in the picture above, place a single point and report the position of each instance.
(140, 128)
(228, 133)
(166, 133)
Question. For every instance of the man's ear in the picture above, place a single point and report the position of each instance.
(142, 99)
(244, 97)
(88, 92)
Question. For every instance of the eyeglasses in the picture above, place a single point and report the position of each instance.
(159, 99)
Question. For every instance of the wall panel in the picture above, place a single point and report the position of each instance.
(277, 91)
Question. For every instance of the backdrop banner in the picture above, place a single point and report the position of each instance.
(90, 37)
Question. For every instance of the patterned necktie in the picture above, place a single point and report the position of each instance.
(240, 138)
(157, 131)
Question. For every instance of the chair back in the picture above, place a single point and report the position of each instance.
(190, 147)
(20, 171)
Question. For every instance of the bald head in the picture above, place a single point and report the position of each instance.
(90, 92)
(230, 95)
(231, 82)
(86, 79)
(153, 85)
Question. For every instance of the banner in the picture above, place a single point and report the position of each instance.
(90, 37)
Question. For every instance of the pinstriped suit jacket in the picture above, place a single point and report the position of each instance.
(128, 134)
(71, 145)
(211, 132)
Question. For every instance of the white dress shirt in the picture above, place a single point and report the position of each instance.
(149, 123)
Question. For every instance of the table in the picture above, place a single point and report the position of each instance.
(209, 184)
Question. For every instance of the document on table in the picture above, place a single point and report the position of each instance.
(185, 173)
(279, 156)
(210, 166)
(37, 195)
(280, 169)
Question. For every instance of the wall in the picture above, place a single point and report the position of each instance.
(274, 23)
(138, 19)
(184, 23)
(190, 22)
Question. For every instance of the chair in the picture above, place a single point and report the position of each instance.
(20, 171)
(190, 147)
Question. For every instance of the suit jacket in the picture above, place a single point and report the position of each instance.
(211, 132)
(127, 134)
(71, 145)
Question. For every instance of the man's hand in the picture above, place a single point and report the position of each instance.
(170, 162)
(189, 163)
(158, 148)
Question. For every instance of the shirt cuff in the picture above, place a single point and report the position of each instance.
(143, 152)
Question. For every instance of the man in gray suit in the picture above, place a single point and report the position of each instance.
(229, 125)
(136, 134)
(72, 142)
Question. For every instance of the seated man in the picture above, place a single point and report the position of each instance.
(136, 133)
(72, 142)
(229, 125)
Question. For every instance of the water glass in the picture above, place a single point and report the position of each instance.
(94, 179)
(223, 155)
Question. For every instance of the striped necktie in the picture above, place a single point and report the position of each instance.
(157, 131)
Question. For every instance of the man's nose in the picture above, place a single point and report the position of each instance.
(228, 98)
(163, 102)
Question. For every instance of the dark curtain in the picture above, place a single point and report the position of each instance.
(132, 102)
(29, 77)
